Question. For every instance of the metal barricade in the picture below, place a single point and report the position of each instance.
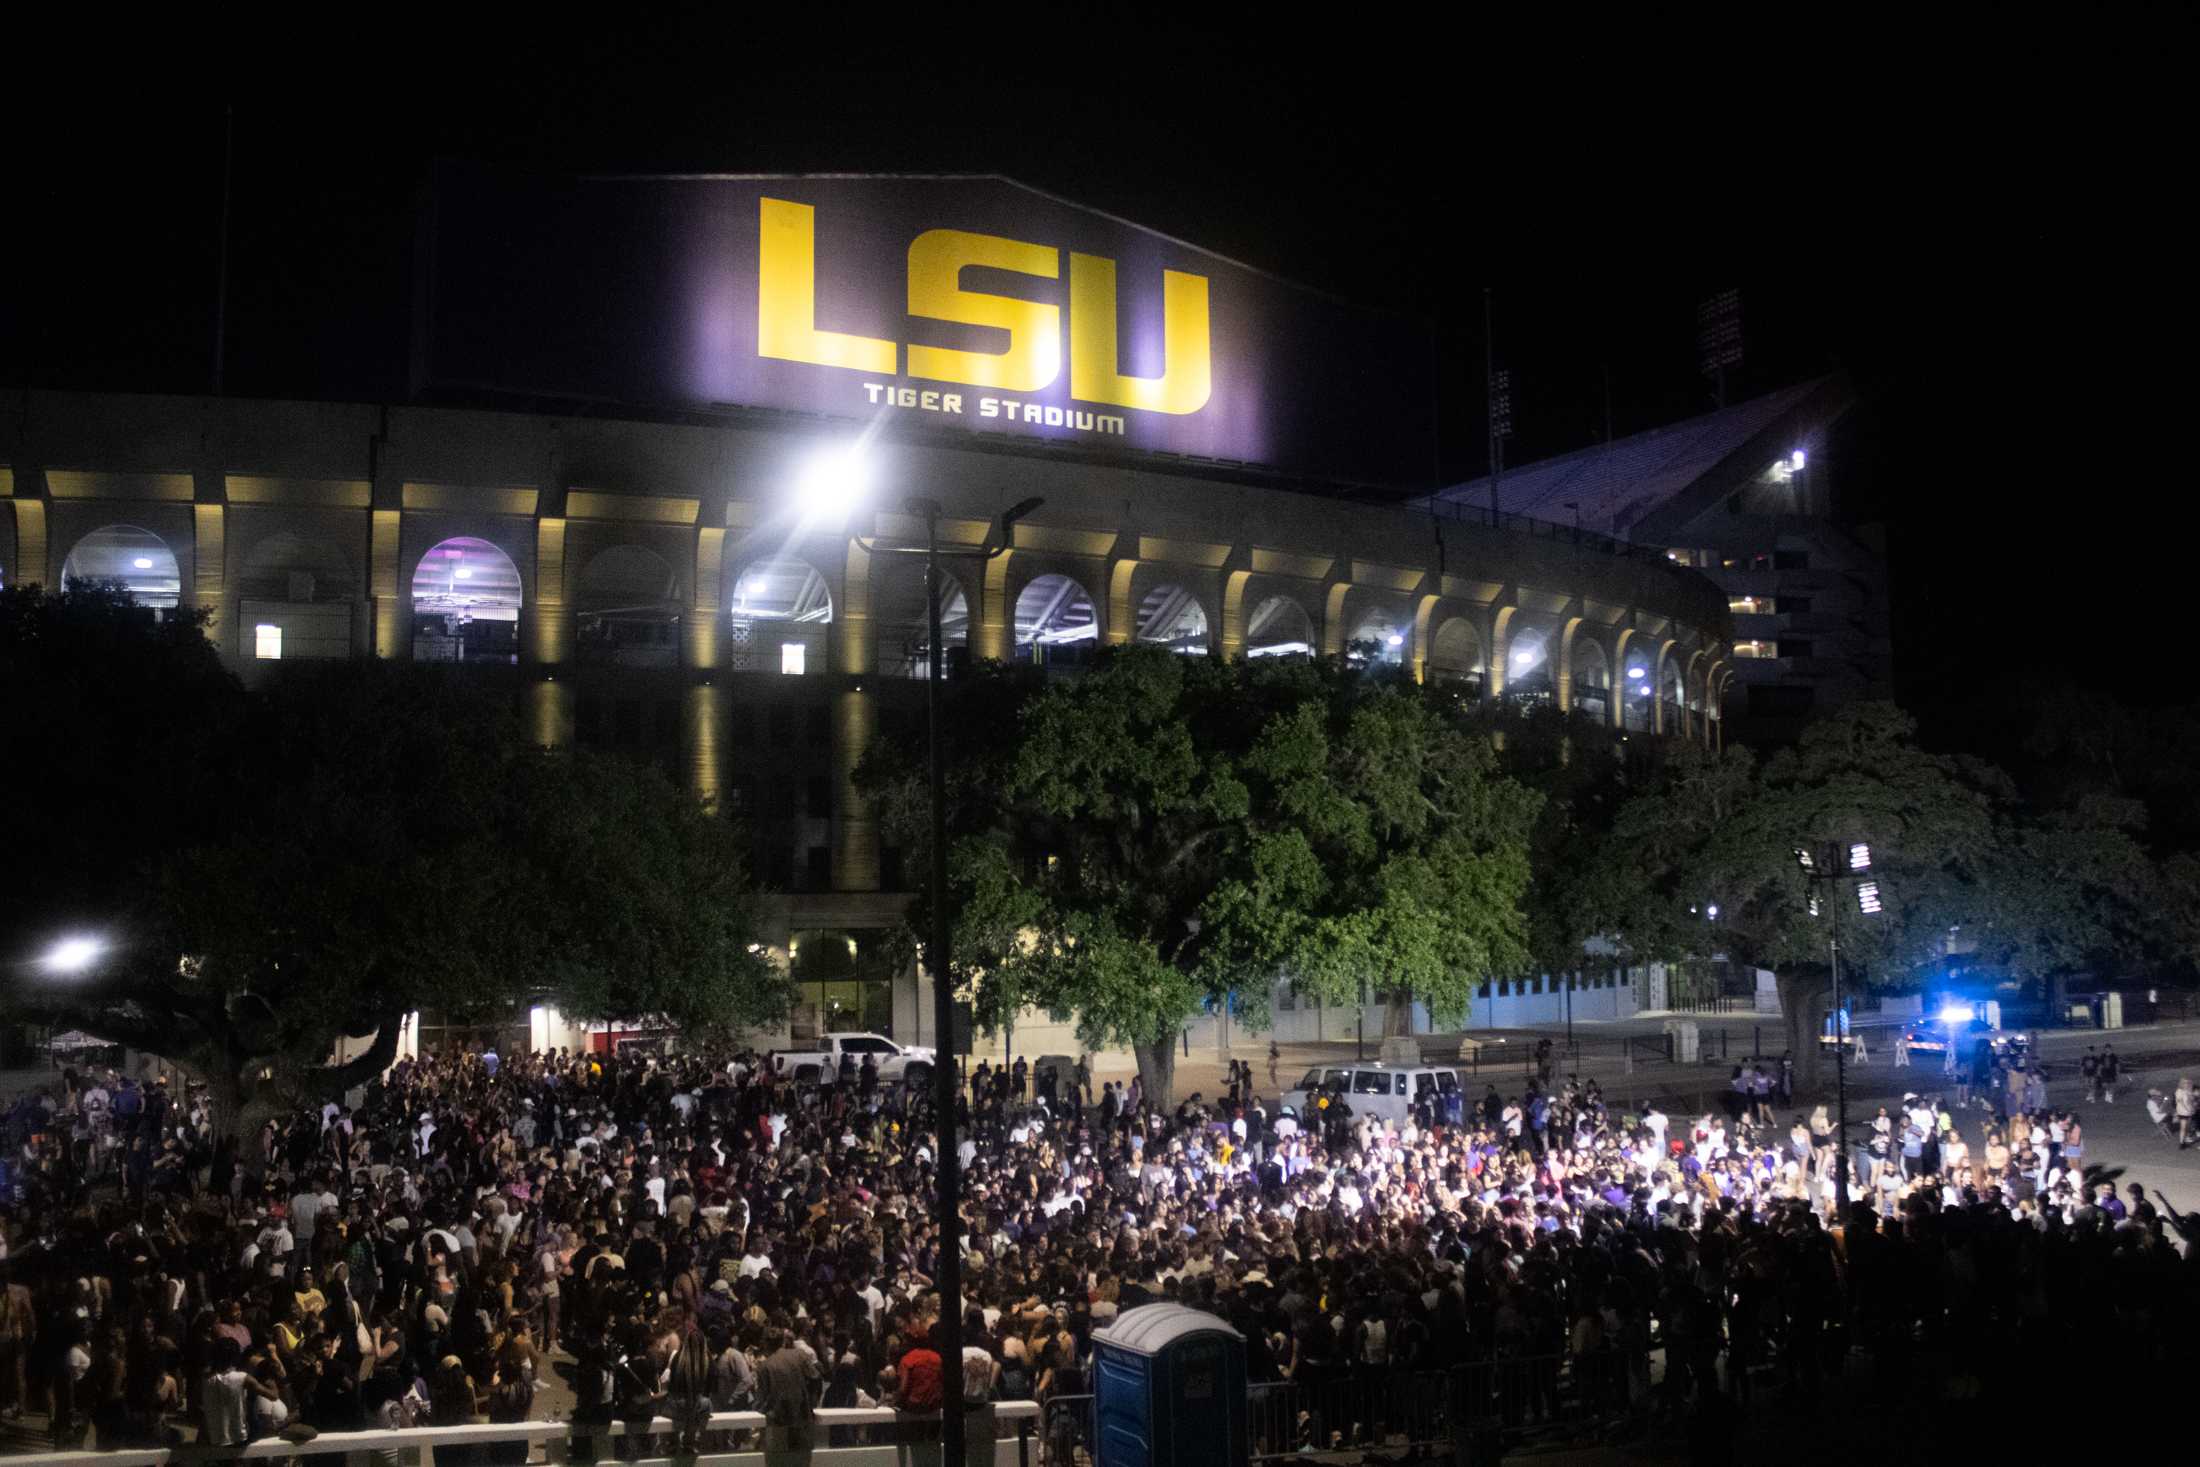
(1066, 1431)
(1347, 1415)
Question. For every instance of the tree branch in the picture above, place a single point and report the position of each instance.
(335, 1079)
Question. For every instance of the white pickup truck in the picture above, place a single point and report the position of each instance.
(897, 1063)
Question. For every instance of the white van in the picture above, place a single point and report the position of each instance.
(1372, 1089)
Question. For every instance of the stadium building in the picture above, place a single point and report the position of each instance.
(1746, 495)
(606, 493)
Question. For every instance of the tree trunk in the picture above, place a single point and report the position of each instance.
(1397, 1014)
(1805, 995)
(224, 1097)
(1157, 1071)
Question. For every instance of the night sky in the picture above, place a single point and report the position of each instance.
(1993, 266)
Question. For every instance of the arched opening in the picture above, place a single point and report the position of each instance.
(466, 600)
(1528, 672)
(782, 612)
(1055, 623)
(1172, 617)
(899, 612)
(294, 600)
(1670, 694)
(1279, 627)
(1455, 655)
(1379, 639)
(139, 559)
(1636, 698)
(626, 609)
(1592, 681)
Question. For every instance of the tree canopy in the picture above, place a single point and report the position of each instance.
(270, 871)
(1166, 833)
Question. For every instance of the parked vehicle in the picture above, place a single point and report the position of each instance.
(897, 1063)
(1372, 1089)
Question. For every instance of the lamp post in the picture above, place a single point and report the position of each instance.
(946, 1085)
(1839, 862)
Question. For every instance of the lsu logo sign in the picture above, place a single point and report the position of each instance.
(1036, 352)
(960, 303)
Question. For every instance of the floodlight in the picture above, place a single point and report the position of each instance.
(1712, 912)
(1860, 856)
(833, 482)
(1395, 639)
(1795, 460)
(72, 955)
(1804, 860)
(1867, 897)
(1958, 1013)
(143, 562)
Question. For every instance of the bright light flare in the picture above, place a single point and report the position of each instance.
(73, 955)
(1958, 1013)
(833, 482)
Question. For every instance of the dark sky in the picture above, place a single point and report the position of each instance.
(1992, 257)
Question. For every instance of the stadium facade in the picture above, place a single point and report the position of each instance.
(612, 508)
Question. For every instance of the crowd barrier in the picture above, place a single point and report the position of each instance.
(1013, 1445)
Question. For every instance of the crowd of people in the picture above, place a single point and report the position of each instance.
(681, 1233)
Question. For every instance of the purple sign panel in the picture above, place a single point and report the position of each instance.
(967, 303)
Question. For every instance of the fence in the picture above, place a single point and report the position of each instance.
(1014, 1445)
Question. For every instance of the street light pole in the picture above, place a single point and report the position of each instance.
(1840, 1058)
(946, 1087)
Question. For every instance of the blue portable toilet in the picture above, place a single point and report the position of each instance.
(1168, 1390)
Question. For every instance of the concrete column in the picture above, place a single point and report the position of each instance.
(549, 622)
(993, 612)
(392, 599)
(31, 539)
(703, 627)
(1230, 635)
(550, 712)
(702, 740)
(855, 852)
(209, 586)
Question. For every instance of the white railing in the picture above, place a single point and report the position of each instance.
(1015, 1444)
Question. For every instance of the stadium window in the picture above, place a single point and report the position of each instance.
(1751, 605)
(1795, 647)
(820, 719)
(820, 868)
(1754, 649)
(819, 797)
(782, 726)
(792, 655)
(267, 642)
(1794, 605)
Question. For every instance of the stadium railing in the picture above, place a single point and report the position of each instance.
(1015, 1443)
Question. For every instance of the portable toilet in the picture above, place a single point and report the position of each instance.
(1169, 1390)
